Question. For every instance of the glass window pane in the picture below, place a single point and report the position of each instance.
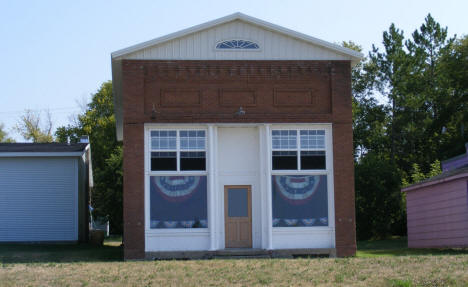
(163, 140)
(192, 161)
(155, 143)
(313, 160)
(299, 200)
(172, 143)
(284, 139)
(192, 140)
(284, 160)
(163, 161)
(178, 202)
(312, 139)
(238, 202)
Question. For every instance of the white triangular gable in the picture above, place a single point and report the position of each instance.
(199, 42)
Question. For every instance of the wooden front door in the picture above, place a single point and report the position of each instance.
(238, 216)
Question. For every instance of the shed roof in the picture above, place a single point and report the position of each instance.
(42, 148)
(443, 177)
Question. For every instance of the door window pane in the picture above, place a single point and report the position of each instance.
(238, 202)
(299, 200)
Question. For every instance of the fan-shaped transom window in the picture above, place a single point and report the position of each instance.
(237, 45)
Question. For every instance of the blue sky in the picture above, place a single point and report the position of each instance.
(55, 54)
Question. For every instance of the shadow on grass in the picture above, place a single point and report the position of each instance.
(398, 246)
(48, 253)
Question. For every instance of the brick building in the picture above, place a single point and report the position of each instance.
(237, 133)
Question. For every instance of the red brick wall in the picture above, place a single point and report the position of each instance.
(211, 92)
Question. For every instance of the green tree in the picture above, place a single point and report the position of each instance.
(376, 177)
(435, 169)
(32, 127)
(98, 122)
(380, 205)
(4, 135)
(416, 75)
(107, 196)
(392, 69)
(424, 79)
(454, 115)
(429, 99)
(369, 116)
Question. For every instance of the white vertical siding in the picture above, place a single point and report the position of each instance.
(38, 199)
(201, 46)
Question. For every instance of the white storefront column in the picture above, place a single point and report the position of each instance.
(211, 187)
(263, 184)
(269, 211)
(216, 191)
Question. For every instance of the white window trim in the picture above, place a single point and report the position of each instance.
(328, 171)
(178, 150)
(148, 173)
(298, 150)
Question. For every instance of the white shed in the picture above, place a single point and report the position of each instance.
(44, 191)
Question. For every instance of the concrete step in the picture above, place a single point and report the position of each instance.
(242, 252)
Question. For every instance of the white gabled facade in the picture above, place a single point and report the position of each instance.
(198, 43)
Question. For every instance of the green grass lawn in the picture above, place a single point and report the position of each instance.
(378, 263)
(398, 246)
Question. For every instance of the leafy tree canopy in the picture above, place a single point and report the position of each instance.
(34, 128)
(98, 122)
(4, 135)
(409, 112)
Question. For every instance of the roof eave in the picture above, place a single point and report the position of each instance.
(41, 154)
(434, 182)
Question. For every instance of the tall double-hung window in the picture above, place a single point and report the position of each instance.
(178, 179)
(299, 178)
